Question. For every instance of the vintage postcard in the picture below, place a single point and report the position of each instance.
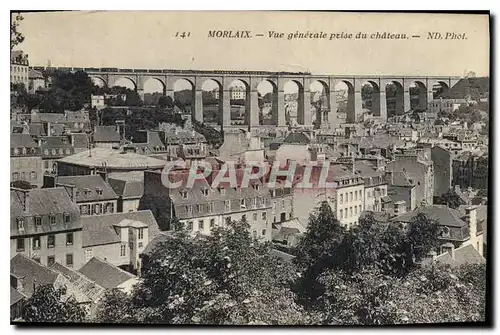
(249, 168)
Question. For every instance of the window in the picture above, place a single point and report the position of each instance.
(254, 202)
(140, 245)
(38, 221)
(20, 244)
(227, 204)
(123, 250)
(67, 217)
(242, 203)
(360, 210)
(69, 259)
(52, 219)
(254, 233)
(88, 254)
(204, 192)
(190, 225)
(282, 203)
(345, 214)
(355, 195)
(45, 164)
(140, 233)
(210, 207)
(212, 223)
(69, 239)
(243, 217)
(199, 208)
(264, 216)
(189, 209)
(184, 194)
(97, 208)
(99, 191)
(33, 175)
(263, 232)
(20, 223)
(341, 213)
(355, 210)
(36, 242)
(110, 207)
(274, 206)
(350, 196)
(222, 191)
(341, 198)
(51, 241)
(51, 260)
(228, 220)
(201, 225)
(254, 217)
(84, 209)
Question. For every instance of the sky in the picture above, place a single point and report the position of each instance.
(147, 39)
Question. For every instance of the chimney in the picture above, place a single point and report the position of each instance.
(389, 177)
(470, 218)
(400, 207)
(49, 181)
(49, 129)
(450, 248)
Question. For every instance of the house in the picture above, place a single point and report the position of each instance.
(443, 171)
(25, 159)
(118, 238)
(45, 226)
(17, 301)
(375, 184)
(288, 232)
(401, 187)
(54, 148)
(201, 207)
(89, 162)
(465, 254)
(106, 137)
(458, 229)
(129, 186)
(94, 196)
(108, 276)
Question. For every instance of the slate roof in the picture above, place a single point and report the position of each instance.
(80, 141)
(105, 274)
(466, 254)
(43, 202)
(445, 215)
(47, 117)
(297, 137)
(80, 282)
(22, 141)
(127, 184)
(31, 273)
(99, 229)
(113, 159)
(37, 129)
(15, 296)
(89, 183)
(106, 134)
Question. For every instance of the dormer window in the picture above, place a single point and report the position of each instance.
(255, 187)
(52, 219)
(24, 151)
(204, 191)
(445, 232)
(98, 190)
(243, 203)
(38, 221)
(184, 194)
(222, 191)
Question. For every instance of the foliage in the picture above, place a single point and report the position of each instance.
(450, 199)
(389, 247)
(23, 184)
(214, 138)
(49, 304)
(16, 37)
(225, 278)
(432, 294)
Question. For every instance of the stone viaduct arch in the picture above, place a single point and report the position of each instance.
(330, 114)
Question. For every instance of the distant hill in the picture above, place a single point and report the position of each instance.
(478, 88)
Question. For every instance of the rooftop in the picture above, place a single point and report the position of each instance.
(88, 187)
(113, 159)
(105, 274)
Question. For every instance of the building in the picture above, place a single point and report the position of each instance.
(25, 160)
(98, 101)
(106, 137)
(93, 195)
(129, 186)
(456, 229)
(118, 238)
(401, 187)
(238, 93)
(36, 80)
(419, 168)
(54, 148)
(201, 207)
(45, 226)
(92, 161)
(375, 185)
(19, 68)
(108, 276)
(443, 171)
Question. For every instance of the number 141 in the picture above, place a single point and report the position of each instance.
(182, 34)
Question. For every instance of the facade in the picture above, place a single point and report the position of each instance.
(25, 160)
(443, 171)
(54, 148)
(238, 93)
(45, 226)
(106, 137)
(202, 208)
(375, 185)
(420, 169)
(129, 186)
(19, 68)
(93, 195)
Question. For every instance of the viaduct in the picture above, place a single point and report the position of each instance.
(251, 79)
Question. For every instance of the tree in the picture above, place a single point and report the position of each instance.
(49, 304)
(21, 184)
(450, 199)
(16, 37)
(165, 102)
(225, 278)
(423, 235)
(432, 294)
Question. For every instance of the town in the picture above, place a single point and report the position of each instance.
(287, 186)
